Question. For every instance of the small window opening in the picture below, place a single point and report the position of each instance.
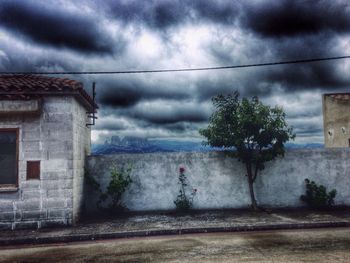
(33, 170)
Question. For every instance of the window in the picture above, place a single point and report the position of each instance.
(33, 170)
(8, 157)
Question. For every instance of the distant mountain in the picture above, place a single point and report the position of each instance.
(141, 145)
(305, 145)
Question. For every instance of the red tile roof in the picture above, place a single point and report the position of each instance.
(339, 96)
(16, 87)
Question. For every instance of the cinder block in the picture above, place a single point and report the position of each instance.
(56, 165)
(32, 155)
(31, 184)
(34, 215)
(60, 193)
(10, 196)
(54, 203)
(26, 225)
(54, 223)
(46, 128)
(5, 226)
(31, 125)
(59, 154)
(7, 216)
(59, 213)
(31, 194)
(6, 206)
(31, 135)
(57, 175)
(28, 205)
(57, 184)
(57, 117)
(31, 146)
(58, 108)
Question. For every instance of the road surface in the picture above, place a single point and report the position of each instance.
(318, 245)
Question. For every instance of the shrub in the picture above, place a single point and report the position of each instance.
(120, 181)
(316, 195)
(183, 202)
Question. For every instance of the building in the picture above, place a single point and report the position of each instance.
(336, 119)
(44, 138)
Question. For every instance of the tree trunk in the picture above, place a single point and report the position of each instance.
(251, 188)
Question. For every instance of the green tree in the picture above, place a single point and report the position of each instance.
(251, 131)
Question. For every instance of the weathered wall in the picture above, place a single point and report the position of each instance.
(336, 121)
(52, 137)
(81, 148)
(220, 180)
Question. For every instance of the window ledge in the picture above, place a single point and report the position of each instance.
(6, 189)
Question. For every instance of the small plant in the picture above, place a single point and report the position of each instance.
(316, 195)
(183, 202)
(120, 181)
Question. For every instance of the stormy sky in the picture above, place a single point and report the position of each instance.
(62, 35)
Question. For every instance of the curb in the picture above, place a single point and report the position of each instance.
(147, 233)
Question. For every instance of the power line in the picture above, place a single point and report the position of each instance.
(177, 70)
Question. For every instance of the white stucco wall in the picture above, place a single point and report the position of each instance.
(220, 180)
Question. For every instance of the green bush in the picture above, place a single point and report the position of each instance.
(120, 181)
(316, 195)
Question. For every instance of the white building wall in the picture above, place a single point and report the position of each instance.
(51, 138)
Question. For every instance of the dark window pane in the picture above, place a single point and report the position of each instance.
(8, 157)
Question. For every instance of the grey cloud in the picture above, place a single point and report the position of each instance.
(236, 38)
(111, 125)
(123, 92)
(163, 14)
(292, 18)
(55, 27)
(164, 114)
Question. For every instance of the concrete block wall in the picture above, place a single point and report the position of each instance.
(82, 147)
(48, 138)
(220, 180)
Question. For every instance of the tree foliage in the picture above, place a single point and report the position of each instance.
(257, 132)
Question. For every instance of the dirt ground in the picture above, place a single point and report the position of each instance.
(318, 245)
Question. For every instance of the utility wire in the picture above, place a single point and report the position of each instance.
(177, 70)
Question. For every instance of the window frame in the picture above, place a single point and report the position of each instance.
(10, 186)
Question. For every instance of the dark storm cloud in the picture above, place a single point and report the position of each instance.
(170, 117)
(167, 13)
(291, 18)
(319, 75)
(54, 27)
(111, 125)
(127, 92)
(155, 14)
(263, 81)
(164, 112)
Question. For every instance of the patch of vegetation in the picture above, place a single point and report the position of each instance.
(119, 183)
(316, 195)
(183, 202)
